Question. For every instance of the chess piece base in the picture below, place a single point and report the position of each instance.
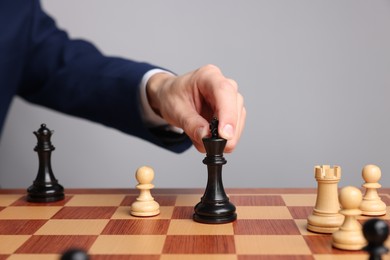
(214, 220)
(218, 212)
(145, 208)
(322, 230)
(145, 214)
(373, 208)
(348, 240)
(321, 223)
(52, 193)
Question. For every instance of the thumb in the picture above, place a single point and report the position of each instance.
(226, 130)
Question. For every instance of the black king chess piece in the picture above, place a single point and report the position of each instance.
(45, 188)
(214, 207)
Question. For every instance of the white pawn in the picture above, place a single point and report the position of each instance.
(350, 235)
(372, 205)
(145, 205)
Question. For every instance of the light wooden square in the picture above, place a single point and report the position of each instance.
(189, 227)
(263, 212)
(302, 226)
(8, 199)
(271, 245)
(96, 200)
(128, 244)
(22, 212)
(188, 200)
(299, 199)
(9, 243)
(124, 213)
(73, 227)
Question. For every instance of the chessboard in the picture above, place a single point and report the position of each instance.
(271, 224)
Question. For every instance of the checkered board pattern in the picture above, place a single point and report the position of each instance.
(270, 225)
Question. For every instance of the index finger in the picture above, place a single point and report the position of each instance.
(221, 94)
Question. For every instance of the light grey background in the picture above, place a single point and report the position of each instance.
(315, 76)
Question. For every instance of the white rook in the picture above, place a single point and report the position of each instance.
(325, 217)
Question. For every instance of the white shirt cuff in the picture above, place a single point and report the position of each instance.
(150, 118)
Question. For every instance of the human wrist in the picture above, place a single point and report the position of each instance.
(153, 86)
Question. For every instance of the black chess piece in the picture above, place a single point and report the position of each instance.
(376, 232)
(214, 207)
(75, 254)
(45, 187)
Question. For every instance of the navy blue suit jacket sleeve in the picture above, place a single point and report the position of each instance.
(73, 77)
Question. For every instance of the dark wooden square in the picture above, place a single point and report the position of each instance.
(136, 227)
(182, 212)
(201, 244)
(23, 202)
(265, 227)
(20, 227)
(85, 213)
(260, 200)
(126, 257)
(275, 257)
(53, 244)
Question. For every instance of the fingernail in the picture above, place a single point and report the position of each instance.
(227, 131)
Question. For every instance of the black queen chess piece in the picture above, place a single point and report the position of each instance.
(45, 187)
(214, 207)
